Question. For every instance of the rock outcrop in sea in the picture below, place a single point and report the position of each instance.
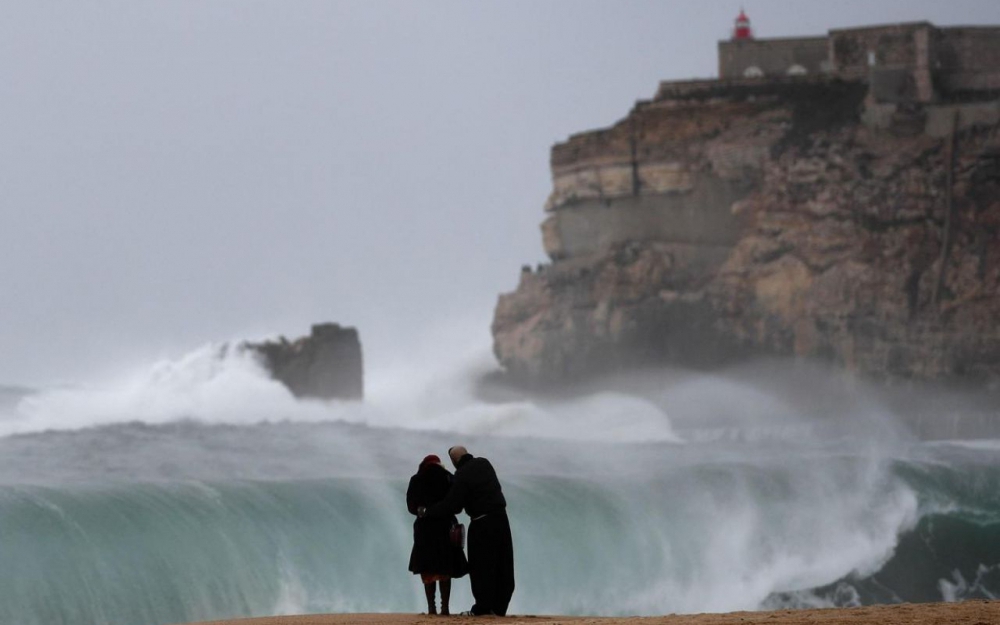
(327, 364)
(797, 217)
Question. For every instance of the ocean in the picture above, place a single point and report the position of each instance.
(197, 489)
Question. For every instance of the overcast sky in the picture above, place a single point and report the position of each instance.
(174, 173)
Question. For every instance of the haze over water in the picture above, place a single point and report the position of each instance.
(178, 175)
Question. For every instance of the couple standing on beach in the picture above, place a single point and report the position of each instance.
(435, 496)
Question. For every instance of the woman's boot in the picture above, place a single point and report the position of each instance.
(445, 595)
(429, 591)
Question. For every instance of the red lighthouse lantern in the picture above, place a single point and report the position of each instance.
(742, 30)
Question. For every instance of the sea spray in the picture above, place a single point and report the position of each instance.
(212, 382)
(217, 384)
(198, 489)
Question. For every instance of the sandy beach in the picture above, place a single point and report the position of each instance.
(966, 613)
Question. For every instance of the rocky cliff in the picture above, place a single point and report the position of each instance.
(720, 222)
(326, 364)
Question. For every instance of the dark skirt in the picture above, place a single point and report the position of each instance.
(433, 552)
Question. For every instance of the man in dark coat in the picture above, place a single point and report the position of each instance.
(475, 488)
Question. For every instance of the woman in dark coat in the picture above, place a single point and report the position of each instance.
(434, 557)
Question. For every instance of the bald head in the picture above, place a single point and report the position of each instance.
(456, 453)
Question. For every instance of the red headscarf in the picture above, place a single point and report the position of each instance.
(428, 460)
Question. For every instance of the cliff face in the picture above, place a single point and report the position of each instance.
(705, 228)
(324, 365)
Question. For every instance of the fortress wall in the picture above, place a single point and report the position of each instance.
(903, 63)
(682, 89)
(926, 42)
(772, 56)
(897, 85)
(893, 46)
(939, 119)
(968, 59)
(675, 93)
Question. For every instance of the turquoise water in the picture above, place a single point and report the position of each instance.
(158, 524)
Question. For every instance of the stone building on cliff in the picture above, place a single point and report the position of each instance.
(832, 197)
(914, 61)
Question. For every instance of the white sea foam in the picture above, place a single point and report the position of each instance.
(959, 589)
(746, 546)
(218, 385)
(293, 596)
(210, 383)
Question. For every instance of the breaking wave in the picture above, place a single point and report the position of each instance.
(216, 384)
(688, 535)
(199, 489)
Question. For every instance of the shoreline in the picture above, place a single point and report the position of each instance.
(973, 612)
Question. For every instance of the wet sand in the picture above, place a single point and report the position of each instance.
(966, 613)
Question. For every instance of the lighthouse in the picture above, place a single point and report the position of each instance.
(742, 30)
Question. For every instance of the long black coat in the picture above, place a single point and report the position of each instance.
(474, 487)
(433, 552)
